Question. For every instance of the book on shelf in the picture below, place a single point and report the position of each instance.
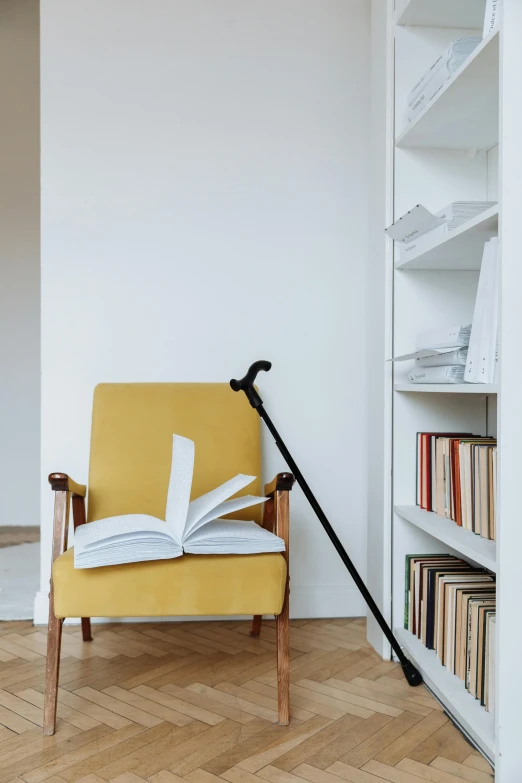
(447, 358)
(453, 373)
(450, 608)
(491, 17)
(435, 357)
(482, 357)
(457, 479)
(446, 64)
(426, 471)
(413, 224)
(489, 655)
(419, 229)
(193, 526)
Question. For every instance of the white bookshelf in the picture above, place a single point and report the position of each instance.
(464, 145)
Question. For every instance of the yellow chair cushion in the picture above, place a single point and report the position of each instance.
(188, 585)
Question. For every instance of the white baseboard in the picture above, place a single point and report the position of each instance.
(377, 639)
(326, 601)
(41, 608)
(311, 601)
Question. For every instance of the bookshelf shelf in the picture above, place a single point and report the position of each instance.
(471, 546)
(443, 13)
(484, 389)
(465, 113)
(473, 719)
(461, 250)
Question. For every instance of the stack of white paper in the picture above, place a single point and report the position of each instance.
(438, 74)
(445, 374)
(482, 356)
(419, 229)
(446, 358)
(436, 357)
(459, 212)
(440, 356)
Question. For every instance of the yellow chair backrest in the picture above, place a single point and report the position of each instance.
(131, 444)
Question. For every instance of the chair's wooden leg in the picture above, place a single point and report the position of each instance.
(54, 631)
(86, 629)
(283, 666)
(256, 625)
(52, 671)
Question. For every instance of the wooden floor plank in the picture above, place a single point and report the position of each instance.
(461, 770)
(197, 703)
(272, 733)
(425, 772)
(197, 699)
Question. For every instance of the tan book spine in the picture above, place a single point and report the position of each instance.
(439, 476)
(458, 632)
(484, 490)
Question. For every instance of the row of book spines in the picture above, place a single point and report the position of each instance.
(453, 618)
(451, 472)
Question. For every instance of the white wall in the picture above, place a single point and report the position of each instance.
(204, 204)
(19, 264)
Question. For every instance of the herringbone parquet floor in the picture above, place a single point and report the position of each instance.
(196, 703)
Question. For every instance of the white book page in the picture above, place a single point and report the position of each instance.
(103, 531)
(227, 507)
(118, 550)
(180, 484)
(203, 505)
(231, 535)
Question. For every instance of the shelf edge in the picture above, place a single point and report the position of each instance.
(451, 536)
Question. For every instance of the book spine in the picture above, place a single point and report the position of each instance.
(458, 489)
(490, 17)
(454, 358)
(436, 375)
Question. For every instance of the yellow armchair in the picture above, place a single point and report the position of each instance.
(129, 468)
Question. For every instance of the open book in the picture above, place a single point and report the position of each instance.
(189, 526)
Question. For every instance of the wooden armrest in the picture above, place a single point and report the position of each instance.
(283, 482)
(61, 482)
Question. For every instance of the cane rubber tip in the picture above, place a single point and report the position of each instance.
(413, 675)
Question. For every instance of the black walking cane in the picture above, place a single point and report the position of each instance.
(246, 384)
